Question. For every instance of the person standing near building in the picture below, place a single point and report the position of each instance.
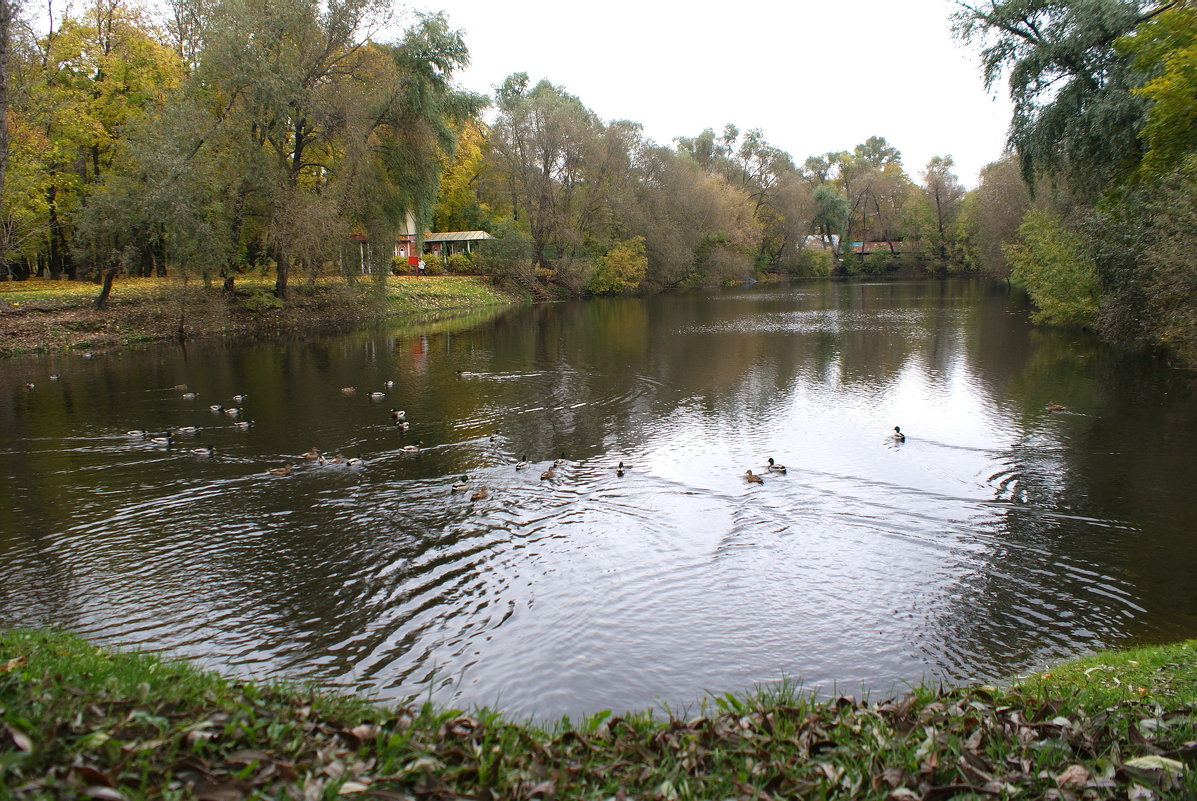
(420, 268)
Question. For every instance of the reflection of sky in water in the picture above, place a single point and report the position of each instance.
(985, 543)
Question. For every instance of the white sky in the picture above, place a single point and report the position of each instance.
(778, 65)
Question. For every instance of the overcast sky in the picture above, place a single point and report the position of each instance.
(815, 77)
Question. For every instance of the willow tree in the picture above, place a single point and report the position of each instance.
(1075, 111)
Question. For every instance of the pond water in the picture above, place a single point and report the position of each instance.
(998, 536)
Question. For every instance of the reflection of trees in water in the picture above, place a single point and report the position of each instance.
(589, 379)
(1063, 571)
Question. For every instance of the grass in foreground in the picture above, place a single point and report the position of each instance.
(78, 722)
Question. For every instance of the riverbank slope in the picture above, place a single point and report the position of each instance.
(78, 721)
(39, 315)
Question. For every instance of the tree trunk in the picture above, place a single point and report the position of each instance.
(6, 14)
(106, 289)
(281, 261)
(55, 252)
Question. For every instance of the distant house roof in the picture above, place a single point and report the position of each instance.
(458, 236)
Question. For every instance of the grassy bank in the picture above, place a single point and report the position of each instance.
(83, 722)
(39, 315)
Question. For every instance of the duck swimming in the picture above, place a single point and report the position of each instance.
(239, 398)
(480, 494)
(376, 395)
(753, 478)
(775, 467)
(413, 448)
(398, 414)
(619, 470)
(522, 464)
(458, 486)
(312, 454)
(279, 471)
(898, 435)
(208, 451)
(1055, 407)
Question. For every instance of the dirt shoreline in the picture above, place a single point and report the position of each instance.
(61, 317)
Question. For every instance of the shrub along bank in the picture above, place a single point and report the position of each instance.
(40, 315)
(78, 721)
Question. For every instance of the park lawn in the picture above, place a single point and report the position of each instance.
(39, 315)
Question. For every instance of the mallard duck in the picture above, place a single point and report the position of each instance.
(355, 461)
(334, 459)
(460, 484)
(494, 435)
(898, 435)
(619, 469)
(1055, 407)
(232, 411)
(162, 439)
(560, 461)
(208, 451)
(30, 385)
(480, 494)
(376, 395)
(403, 425)
(240, 398)
(280, 471)
(190, 395)
(216, 407)
(775, 467)
(753, 478)
(55, 377)
(312, 455)
(388, 384)
(137, 433)
(189, 430)
(523, 463)
(397, 414)
(413, 448)
(349, 390)
(180, 387)
(244, 425)
(548, 474)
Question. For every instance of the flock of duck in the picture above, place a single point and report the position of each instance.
(399, 419)
(314, 455)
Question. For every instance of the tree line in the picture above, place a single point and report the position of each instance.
(220, 137)
(1095, 210)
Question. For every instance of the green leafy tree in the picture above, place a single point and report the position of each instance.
(1165, 48)
(1050, 260)
(945, 193)
(621, 269)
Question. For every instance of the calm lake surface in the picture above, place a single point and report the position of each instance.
(997, 537)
